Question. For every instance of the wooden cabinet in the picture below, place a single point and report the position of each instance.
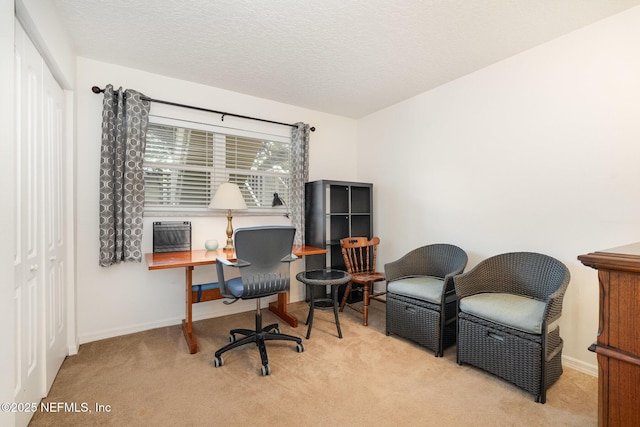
(618, 340)
(335, 210)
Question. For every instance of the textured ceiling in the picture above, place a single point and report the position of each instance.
(349, 58)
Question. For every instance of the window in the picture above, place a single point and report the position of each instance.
(185, 161)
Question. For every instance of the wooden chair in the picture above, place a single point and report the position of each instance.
(359, 255)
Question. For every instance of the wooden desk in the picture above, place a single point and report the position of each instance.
(188, 260)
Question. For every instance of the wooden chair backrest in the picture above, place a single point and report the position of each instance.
(359, 254)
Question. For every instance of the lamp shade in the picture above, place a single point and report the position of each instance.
(228, 196)
(277, 201)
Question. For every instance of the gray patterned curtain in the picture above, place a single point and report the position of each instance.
(124, 126)
(299, 176)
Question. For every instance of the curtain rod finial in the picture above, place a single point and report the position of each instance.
(96, 89)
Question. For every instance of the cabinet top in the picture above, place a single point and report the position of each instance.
(624, 258)
(345, 183)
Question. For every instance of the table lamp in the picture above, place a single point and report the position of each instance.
(229, 197)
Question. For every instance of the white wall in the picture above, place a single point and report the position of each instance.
(127, 297)
(536, 153)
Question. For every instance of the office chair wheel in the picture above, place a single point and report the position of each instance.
(218, 361)
(300, 348)
(232, 338)
(265, 370)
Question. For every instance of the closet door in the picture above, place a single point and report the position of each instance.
(29, 274)
(40, 247)
(53, 217)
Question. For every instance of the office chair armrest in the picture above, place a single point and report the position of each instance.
(237, 263)
(225, 262)
(289, 258)
(222, 283)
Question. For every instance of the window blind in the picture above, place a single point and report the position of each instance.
(185, 162)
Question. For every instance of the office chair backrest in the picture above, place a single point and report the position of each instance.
(268, 251)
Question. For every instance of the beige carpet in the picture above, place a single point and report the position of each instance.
(365, 379)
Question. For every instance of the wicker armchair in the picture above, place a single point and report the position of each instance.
(421, 299)
(508, 308)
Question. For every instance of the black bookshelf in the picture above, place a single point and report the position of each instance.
(335, 210)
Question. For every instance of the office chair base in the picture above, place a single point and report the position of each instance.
(258, 336)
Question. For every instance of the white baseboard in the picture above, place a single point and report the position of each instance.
(132, 329)
(220, 310)
(581, 366)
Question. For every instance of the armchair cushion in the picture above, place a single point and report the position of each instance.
(513, 311)
(424, 288)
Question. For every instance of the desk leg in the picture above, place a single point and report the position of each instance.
(280, 310)
(187, 324)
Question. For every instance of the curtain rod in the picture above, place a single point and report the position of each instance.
(96, 90)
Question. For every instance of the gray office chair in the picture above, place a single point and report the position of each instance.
(263, 256)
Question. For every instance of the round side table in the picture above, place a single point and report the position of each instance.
(323, 277)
